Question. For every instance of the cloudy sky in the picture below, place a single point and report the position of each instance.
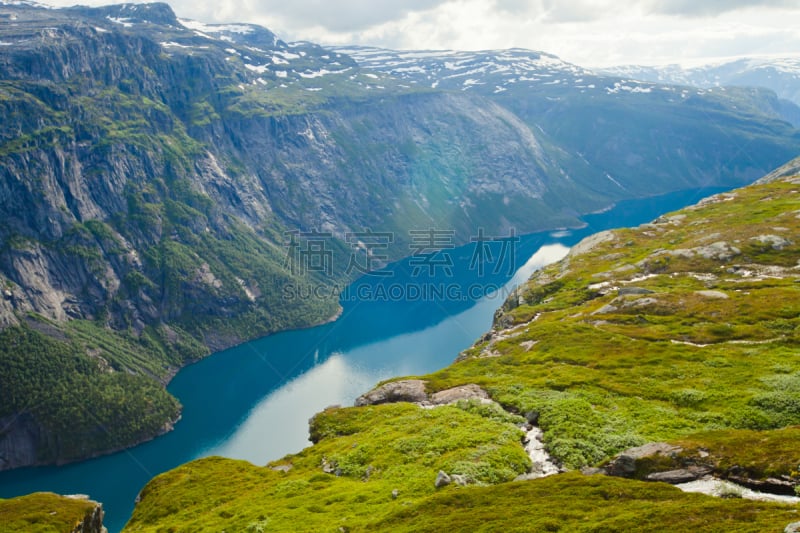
(588, 32)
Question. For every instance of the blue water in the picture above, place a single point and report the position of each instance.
(253, 402)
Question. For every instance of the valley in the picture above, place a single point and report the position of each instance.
(172, 189)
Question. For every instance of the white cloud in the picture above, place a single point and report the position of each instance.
(587, 32)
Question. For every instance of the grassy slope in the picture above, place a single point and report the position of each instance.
(662, 365)
(602, 371)
(43, 513)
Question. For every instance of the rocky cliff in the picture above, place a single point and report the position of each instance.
(152, 171)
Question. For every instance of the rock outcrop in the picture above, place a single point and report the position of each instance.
(630, 462)
(413, 391)
(92, 521)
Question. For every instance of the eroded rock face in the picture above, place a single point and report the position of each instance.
(93, 519)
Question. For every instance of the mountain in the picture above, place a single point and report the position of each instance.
(162, 180)
(780, 75)
(609, 131)
(664, 352)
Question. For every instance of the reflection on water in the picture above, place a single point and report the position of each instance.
(278, 424)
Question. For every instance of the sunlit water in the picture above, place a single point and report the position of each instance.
(253, 402)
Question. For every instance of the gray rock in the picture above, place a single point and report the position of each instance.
(442, 480)
(639, 302)
(463, 392)
(624, 464)
(718, 295)
(590, 243)
(460, 480)
(794, 527)
(629, 291)
(409, 390)
(721, 251)
(776, 242)
(771, 485)
(328, 467)
(682, 475)
(606, 310)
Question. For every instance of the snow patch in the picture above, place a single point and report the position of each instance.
(260, 69)
(216, 28)
(125, 22)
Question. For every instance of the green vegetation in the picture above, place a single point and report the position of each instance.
(44, 513)
(91, 402)
(657, 333)
(713, 345)
(368, 453)
(758, 454)
(571, 502)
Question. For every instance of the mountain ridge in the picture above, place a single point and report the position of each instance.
(167, 168)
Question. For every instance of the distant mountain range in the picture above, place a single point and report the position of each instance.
(153, 171)
(781, 75)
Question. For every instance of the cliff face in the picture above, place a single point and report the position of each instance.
(152, 169)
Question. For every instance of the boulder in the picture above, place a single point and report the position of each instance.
(716, 295)
(409, 390)
(624, 464)
(463, 392)
(413, 391)
(442, 480)
(633, 291)
(794, 527)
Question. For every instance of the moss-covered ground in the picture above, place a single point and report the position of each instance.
(43, 513)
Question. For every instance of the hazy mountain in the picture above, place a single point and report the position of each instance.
(781, 75)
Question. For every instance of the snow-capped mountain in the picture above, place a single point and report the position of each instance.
(781, 75)
(492, 70)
